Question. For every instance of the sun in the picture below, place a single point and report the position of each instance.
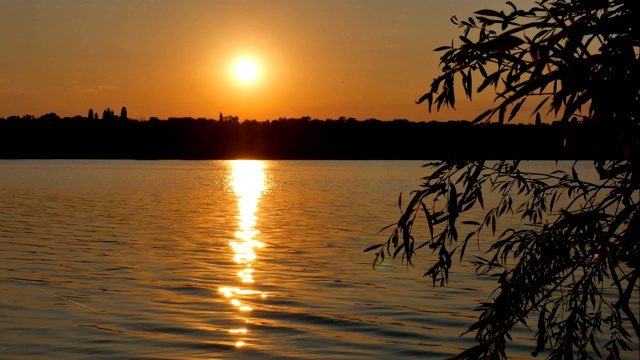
(246, 70)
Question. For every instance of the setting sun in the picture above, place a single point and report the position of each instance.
(246, 70)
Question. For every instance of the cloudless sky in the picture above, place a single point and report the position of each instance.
(164, 58)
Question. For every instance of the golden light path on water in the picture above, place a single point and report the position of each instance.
(248, 181)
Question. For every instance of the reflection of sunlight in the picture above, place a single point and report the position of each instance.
(248, 182)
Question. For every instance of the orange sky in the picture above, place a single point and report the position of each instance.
(164, 58)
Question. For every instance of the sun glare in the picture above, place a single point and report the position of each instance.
(246, 70)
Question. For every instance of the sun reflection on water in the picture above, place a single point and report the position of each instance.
(248, 182)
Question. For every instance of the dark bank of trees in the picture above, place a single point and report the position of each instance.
(117, 137)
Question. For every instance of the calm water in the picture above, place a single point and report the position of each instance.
(219, 259)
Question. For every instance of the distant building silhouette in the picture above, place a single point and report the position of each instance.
(108, 114)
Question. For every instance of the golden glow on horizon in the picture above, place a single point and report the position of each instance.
(246, 70)
(247, 179)
(380, 60)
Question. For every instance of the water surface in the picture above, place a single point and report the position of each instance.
(218, 259)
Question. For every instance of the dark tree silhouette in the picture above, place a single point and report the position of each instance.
(49, 117)
(288, 138)
(574, 264)
(90, 114)
(123, 113)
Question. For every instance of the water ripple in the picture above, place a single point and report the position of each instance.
(124, 259)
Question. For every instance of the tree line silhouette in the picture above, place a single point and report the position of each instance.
(117, 137)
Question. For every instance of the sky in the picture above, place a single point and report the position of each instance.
(171, 58)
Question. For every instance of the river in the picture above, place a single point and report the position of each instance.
(219, 259)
